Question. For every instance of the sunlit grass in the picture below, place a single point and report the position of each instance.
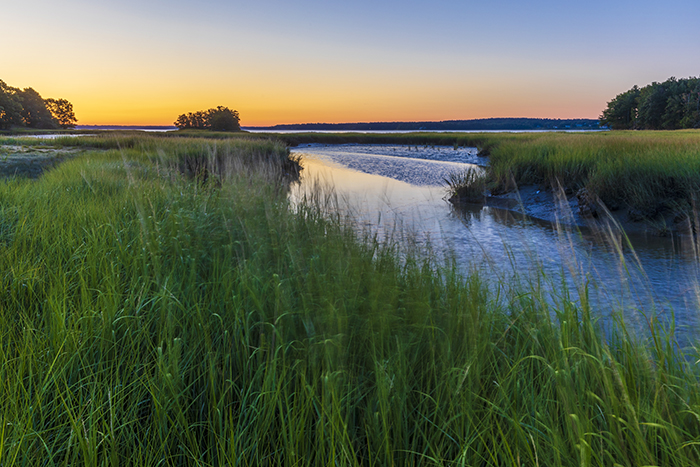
(150, 318)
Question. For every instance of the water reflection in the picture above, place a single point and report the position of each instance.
(643, 275)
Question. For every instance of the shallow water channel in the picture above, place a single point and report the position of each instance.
(399, 191)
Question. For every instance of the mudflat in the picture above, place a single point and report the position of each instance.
(31, 161)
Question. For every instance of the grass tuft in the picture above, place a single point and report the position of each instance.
(467, 186)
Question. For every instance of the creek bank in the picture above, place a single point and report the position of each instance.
(581, 210)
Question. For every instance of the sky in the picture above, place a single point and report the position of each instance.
(144, 62)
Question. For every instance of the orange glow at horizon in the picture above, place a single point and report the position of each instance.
(126, 94)
(145, 63)
(329, 106)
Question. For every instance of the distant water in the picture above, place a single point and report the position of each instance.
(52, 136)
(156, 129)
(58, 135)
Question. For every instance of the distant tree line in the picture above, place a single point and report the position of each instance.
(218, 119)
(26, 108)
(481, 124)
(670, 105)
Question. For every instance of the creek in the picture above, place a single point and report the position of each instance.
(398, 192)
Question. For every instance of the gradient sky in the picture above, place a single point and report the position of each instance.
(144, 62)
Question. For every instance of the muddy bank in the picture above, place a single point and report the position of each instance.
(577, 209)
(31, 162)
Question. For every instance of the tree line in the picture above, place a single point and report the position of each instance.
(218, 119)
(26, 108)
(670, 105)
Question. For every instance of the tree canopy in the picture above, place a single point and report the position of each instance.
(218, 119)
(26, 108)
(10, 106)
(62, 111)
(670, 105)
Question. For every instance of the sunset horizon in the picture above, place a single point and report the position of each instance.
(144, 64)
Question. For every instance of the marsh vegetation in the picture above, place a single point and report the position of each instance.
(152, 317)
(650, 176)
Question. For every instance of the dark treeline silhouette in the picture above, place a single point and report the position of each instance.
(218, 119)
(482, 124)
(26, 108)
(670, 105)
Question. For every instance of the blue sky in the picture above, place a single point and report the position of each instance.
(286, 62)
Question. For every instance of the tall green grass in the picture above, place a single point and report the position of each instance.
(651, 172)
(148, 318)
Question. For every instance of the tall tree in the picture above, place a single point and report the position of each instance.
(673, 104)
(621, 112)
(223, 119)
(62, 112)
(34, 111)
(10, 106)
(652, 104)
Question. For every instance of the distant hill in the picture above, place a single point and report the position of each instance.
(482, 124)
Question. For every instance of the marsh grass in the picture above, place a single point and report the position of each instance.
(147, 318)
(467, 186)
(650, 172)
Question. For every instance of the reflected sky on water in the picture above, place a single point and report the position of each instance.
(394, 190)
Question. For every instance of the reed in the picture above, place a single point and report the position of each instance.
(467, 186)
(148, 318)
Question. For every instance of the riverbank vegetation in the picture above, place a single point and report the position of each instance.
(153, 317)
(670, 105)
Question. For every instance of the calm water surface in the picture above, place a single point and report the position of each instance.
(397, 190)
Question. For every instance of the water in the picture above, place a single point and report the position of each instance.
(393, 189)
(52, 136)
(59, 135)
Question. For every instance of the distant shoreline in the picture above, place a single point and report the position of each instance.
(483, 124)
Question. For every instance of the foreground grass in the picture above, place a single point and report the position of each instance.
(150, 318)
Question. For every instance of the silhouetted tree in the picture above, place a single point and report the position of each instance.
(652, 103)
(10, 106)
(218, 119)
(622, 111)
(223, 119)
(34, 111)
(183, 122)
(62, 112)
